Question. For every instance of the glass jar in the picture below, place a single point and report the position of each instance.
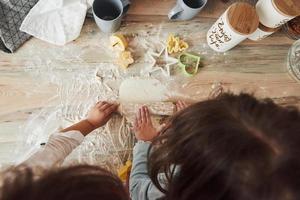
(293, 61)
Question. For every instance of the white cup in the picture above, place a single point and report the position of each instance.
(186, 9)
(270, 15)
(108, 14)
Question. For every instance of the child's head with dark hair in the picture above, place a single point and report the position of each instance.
(79, 182)
(230, 148)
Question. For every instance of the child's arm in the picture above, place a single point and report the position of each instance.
(97, 117)
(61, 144)
(140, 184)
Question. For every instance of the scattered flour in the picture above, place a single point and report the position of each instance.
(79, 87)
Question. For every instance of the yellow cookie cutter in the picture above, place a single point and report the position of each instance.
(175, 44)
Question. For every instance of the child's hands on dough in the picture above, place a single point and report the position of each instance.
(181, 105)
(143, 127)
(101, 113)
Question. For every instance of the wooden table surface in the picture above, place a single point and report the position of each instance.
(256, 67)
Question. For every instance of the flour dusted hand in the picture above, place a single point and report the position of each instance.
(101, 113)
(143, 127)
(181, 105)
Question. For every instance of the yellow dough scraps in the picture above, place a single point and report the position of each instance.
(125, 59)
(175, 44)
(124, 171)
(119, 42)
(183, 45)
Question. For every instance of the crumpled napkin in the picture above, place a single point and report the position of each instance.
(56, 21)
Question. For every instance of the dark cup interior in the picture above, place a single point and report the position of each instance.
(194, 3)
(126, 8)
(107, 9)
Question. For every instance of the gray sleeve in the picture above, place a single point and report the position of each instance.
(140, 184)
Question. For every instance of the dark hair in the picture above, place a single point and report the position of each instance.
(72, 183)
(233, 147)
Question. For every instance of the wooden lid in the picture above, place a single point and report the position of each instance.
(267, 29)
(243, 18)
(288, 7)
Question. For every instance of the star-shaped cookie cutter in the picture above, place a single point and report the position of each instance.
(169, 61)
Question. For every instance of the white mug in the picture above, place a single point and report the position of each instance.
(108, 14)
(269, 15)
(186, 9)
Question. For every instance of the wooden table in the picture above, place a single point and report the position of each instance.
(256, 67)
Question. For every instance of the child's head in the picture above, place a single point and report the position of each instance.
(79, 182)
(232, 147)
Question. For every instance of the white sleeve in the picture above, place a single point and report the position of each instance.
(58, 147)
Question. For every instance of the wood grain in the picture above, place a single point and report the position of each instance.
(255, 67)
(243, 18)
(288, 7)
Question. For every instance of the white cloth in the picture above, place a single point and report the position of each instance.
(56, 21)
(58, 147)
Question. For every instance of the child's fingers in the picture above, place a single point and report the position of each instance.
(115, 107)
(147, 115)
(100, 103)
(184, 104)
(178, 106)
(110, 108)
(104, 106)
(143, 114)
(181, 104)
(139, 117)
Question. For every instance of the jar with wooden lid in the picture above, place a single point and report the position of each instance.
(237, 23)
(262, 32)
(274, 13)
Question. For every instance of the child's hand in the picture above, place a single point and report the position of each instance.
(143, 127)
(181, 105)
(101, 113)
